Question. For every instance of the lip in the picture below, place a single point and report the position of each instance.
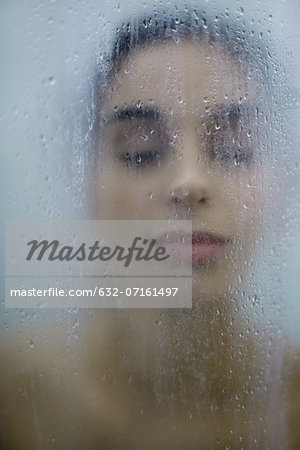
(196, 247)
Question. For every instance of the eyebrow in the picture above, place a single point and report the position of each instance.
(134, 112)
(233, 109)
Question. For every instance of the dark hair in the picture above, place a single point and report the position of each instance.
(242, 43)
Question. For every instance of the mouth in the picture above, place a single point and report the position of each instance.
(196, 247)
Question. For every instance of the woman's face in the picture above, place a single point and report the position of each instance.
(181, 140)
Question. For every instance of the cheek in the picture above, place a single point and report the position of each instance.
(263, 203)
(124, 197)
(245, 196)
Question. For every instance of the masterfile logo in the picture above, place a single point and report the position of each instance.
(98, 264)
(146, 251)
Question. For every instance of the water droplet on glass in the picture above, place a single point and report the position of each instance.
(51, 81)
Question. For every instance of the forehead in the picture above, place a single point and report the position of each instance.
(182, 77)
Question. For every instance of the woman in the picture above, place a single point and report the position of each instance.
(186, 114)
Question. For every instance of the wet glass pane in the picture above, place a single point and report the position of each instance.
(154, 111)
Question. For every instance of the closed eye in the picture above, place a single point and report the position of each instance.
(136, 159)
(229, 136)
(138, 138)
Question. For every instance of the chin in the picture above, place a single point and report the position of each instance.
(212, 279)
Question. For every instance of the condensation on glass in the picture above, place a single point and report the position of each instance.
(154, 111)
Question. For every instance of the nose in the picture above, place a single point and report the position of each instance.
(193, 185)
(190, 193)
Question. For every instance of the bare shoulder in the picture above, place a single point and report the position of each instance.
(35, 377)
(44, 384)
